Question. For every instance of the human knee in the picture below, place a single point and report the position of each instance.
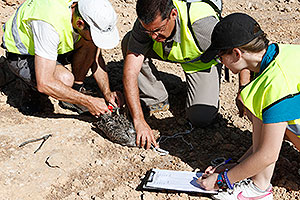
(64, 75)
(201, 115)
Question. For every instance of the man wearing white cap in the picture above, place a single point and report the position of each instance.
(44, 35)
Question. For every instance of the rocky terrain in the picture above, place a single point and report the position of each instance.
(78, 162)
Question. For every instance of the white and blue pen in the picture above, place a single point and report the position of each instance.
(223, 163)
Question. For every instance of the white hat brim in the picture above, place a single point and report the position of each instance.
(105, 40)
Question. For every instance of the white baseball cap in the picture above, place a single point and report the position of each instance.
(102, 19)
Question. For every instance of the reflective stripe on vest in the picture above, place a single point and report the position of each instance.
(18, 36)
(14, 29)
(186, 52)
(279, 80)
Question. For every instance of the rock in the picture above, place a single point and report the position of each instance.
(117, 128)
(147, 196)
(77, 184)
(10, 2)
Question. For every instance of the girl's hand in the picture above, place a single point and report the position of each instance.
(208, 181)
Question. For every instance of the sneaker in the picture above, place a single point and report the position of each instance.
(163, 106)
(6, 76)
(74, 107)
(245, 190)
(82, 89)
(30, 103)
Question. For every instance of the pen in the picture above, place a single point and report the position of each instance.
(223, 163)
(212, 169)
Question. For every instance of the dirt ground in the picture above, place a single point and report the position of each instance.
(78, 162)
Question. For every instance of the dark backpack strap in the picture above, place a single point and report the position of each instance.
(209, 2)
(226, 74)
(188, 6)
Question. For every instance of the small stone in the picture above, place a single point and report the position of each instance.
(76, 183)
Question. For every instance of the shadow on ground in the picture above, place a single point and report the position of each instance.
(198, 148)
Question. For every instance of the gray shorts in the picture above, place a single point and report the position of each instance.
(23, 65)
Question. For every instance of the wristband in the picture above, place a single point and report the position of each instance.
(227, 180)
(221, 182)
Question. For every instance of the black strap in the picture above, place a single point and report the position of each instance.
(14, 56)
(213, 6)
(226, 74)
(188, 5)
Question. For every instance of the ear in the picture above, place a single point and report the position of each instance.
(174, 13)
(237, 54)
(80, 23)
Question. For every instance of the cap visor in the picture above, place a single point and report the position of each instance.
(105, 40)
(209, 55)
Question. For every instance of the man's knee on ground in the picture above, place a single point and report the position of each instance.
(201, 115)
(64, 75)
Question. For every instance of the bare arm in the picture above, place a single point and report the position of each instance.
(101, 77)
(266, 150)
(48, 84)
(132, 67)
(267, 140)
(244, 79)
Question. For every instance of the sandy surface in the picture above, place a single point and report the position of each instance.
(77, 162)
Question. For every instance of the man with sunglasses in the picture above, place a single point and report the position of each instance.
(44, 35)
(174, 31)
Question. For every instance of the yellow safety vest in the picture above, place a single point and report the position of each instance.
(186, 52)
(18, 36)
(279, 80)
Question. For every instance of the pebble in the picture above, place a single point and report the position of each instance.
(76, 183)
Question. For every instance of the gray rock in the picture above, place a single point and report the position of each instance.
(117, 128)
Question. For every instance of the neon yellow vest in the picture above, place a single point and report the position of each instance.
(187, 50)
(280, 79)
(17, 35)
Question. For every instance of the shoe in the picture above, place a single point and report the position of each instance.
(74, 107)
(163, 106)
(81, 88)
(29, 103)
(245, 190)
(6, 76)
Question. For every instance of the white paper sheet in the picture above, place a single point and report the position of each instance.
(174, 180)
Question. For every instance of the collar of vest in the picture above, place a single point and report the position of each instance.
(177, 36)
(270, 55)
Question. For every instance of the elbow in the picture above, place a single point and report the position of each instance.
(42, 87)
(269, 159)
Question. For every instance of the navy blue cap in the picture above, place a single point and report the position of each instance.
(232, 31)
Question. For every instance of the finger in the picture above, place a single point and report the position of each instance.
(112, 102)
(143, 141)
(138, 139)
(199, 180)
(153, 141)
(117, 99)
(105, 109)
(209, 170)
(149, 141)
(155, 144)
